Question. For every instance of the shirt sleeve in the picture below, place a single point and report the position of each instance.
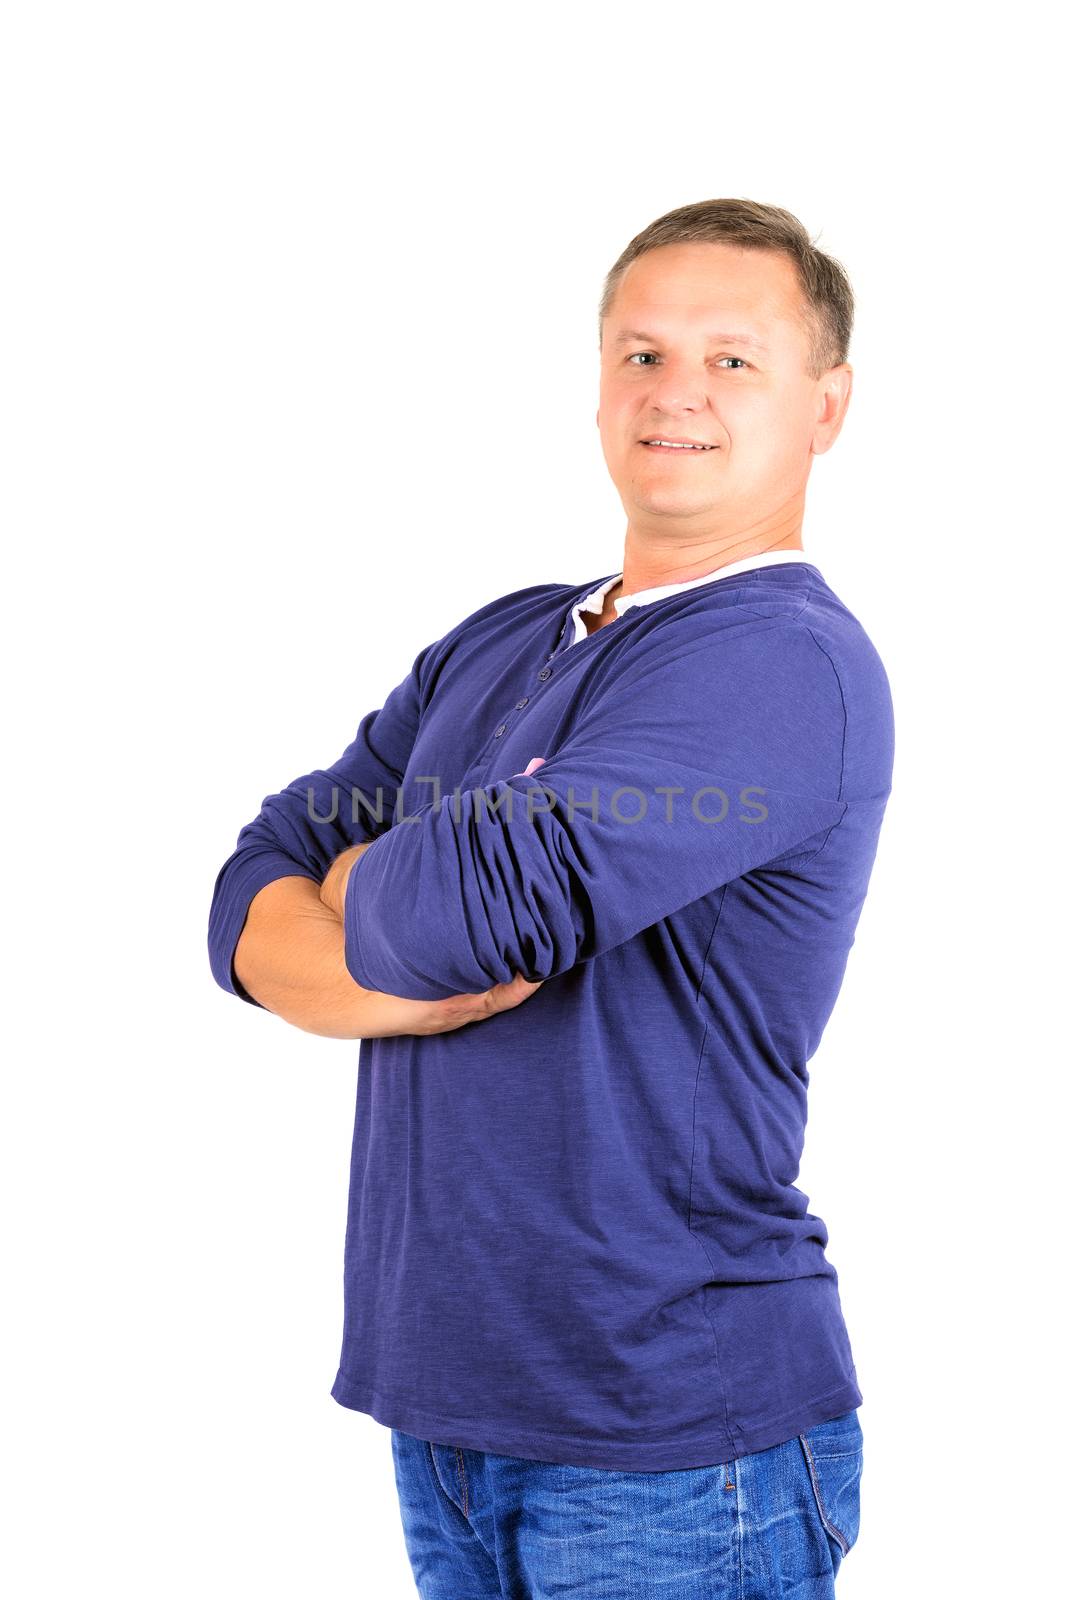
(299, 831)
(689, 769)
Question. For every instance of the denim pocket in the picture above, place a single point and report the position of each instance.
(834, 1452)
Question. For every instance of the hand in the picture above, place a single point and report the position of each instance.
(384, 1015)
(333, 886)
(389, 1014)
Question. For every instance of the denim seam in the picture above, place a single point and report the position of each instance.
(827, 1523)
(463, 1480)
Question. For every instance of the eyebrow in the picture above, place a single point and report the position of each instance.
(747, 339)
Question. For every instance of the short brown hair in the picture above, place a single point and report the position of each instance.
(826, 291)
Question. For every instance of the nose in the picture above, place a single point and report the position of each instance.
(680, 390)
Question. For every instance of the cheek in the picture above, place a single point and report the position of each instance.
(761, 429)
(617, 424)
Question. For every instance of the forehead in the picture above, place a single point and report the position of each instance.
(695, 286)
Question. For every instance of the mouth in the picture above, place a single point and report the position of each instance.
(678, 446)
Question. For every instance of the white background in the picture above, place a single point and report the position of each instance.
(299, 368)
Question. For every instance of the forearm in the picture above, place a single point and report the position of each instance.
(291, 958)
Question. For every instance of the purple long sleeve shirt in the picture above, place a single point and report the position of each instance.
(574, 1233)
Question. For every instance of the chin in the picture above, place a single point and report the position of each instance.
(668, 505)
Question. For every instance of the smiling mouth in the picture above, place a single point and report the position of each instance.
(680, 448)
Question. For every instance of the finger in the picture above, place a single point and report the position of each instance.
(512, 993)
(442, 1016)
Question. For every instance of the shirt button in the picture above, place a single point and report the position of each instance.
(546, 672)
(500, 730)
(521, 703)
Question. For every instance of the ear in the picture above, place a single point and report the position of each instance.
(836, 387)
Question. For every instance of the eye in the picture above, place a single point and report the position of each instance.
(639, 354)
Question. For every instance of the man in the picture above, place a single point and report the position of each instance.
(585, 887)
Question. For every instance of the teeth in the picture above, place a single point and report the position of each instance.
(669, 444)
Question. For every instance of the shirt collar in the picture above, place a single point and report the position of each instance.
(594, 601)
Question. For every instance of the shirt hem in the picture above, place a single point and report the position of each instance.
(711, 1449)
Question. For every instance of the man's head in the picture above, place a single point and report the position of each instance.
(721, 323)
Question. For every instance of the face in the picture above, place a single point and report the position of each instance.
(705, 342)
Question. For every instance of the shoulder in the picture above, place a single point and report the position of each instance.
(862, 682)
(804, 635)
(792, 691)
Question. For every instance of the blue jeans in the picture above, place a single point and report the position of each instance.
(772, 1524)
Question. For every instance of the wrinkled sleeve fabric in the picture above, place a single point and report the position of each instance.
(299, 831)
(688, 769)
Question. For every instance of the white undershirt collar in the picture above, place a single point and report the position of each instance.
(594, 601)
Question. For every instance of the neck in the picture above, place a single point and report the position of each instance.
(653, 555)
